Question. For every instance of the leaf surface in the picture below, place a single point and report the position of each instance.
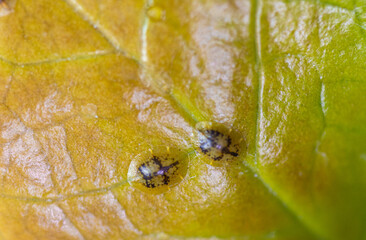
(88, 89)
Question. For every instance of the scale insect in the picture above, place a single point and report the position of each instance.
(155, 174)
(218, 144)
(158, 170)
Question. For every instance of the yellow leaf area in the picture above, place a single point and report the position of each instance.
(97, 95)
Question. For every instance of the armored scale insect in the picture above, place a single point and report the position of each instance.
(158, 169)
(218, 144)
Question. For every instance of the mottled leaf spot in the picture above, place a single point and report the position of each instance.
(157, 170)
(6, 7)
(219, 144)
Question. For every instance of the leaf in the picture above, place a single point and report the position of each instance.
(93, 91)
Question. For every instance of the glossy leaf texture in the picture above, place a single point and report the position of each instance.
(112, 113)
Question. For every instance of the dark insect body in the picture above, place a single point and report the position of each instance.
(155, 174)
(217, 145)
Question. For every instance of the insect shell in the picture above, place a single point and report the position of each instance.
(158, 169)
(218, 144)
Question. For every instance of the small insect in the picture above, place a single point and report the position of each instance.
(219, 144)
(155, 174)
(216, 145)
(158, 169)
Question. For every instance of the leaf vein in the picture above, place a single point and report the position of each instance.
(61, 198)
(99, 28)
(256, 31)
(64, 59)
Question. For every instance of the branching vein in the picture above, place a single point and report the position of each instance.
(99, 28)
